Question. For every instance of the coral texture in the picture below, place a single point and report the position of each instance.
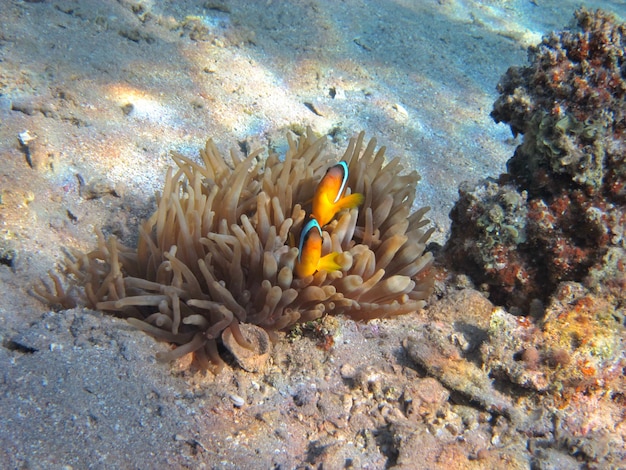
(577, 345)
(569, 104)
(485, 244)
(216, 252)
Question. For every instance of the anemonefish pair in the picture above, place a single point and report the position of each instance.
(327, 202)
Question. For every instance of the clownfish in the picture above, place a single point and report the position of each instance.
(328, 198)
(310, 257)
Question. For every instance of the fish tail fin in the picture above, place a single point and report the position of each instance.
(329, 262)
(351, 201)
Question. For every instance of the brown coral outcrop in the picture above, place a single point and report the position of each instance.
(560, 212)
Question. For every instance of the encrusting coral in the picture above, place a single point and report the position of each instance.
(217, 252)
(560, 213)
(569, 105)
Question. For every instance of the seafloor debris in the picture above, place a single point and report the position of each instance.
(216, 253)
(562, 206)
(251, 359)
(432, 348)
(576, 346)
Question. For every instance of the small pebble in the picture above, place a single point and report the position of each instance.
(237, 400)
(23, 105)
(347, 371)
(25, 138)
(401, 110)
(127, 108)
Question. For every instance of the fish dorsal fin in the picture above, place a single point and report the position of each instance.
(344, 179)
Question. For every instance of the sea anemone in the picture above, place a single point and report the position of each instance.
(217, 251)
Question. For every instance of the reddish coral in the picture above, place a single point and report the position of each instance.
(570, 105)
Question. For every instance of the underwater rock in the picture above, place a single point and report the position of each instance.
(252, 358)
(432, 348)
(577, 344)
(569, 105)
(562, 206)
(488, 226)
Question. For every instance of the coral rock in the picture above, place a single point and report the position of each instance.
(570, 168)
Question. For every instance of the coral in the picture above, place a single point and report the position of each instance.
(568, 176)
(506, 353)
(569, 105)
(432, 348)
(489, 225)
(216, 252)
(586, 327)
(576, 346)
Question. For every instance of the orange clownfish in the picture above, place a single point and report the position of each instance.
(328, 199)
(310, 257)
